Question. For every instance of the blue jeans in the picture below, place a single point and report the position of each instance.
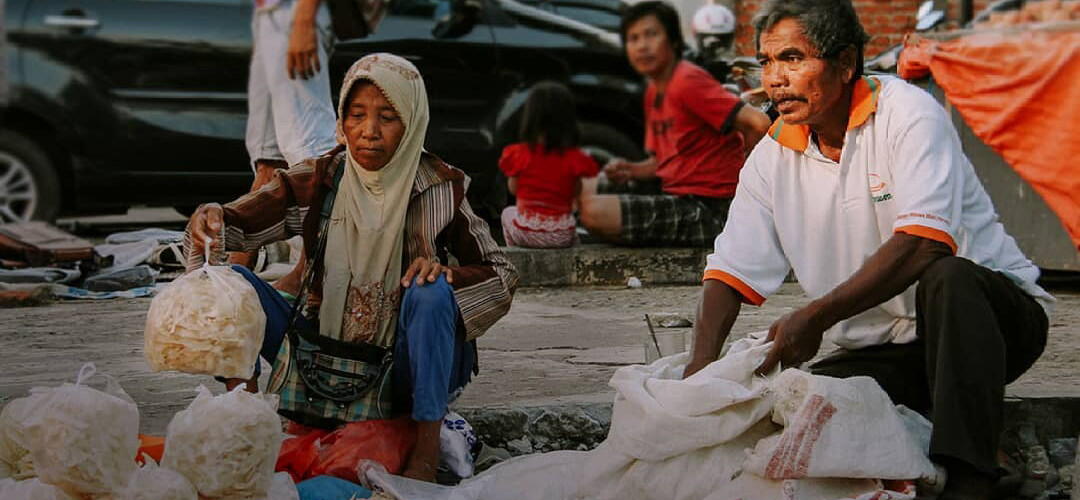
(432, 360)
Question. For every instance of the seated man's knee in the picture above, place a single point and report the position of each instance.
(946, 273)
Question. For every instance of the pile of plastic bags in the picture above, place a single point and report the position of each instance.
(206, 322)
(79, 441)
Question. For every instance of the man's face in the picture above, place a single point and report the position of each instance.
(803, 86)
(648, 48)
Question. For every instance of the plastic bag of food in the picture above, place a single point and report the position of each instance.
(206, 322)
(225, 445)
(151, 482)
(82, 440)
(15, 460)
(31, 489)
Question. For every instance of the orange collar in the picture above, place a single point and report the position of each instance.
(863, 104)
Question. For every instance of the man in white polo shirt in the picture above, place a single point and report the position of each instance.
(864, 192)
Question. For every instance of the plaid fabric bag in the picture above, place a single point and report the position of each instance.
(324, 382)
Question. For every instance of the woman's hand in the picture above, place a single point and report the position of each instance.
(302, 58)
(205, 225)
(425, 271)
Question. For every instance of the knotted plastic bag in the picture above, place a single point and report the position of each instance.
(151, 482)
(226, 445)
(15, 460)
(82, 440)
(31, 489)
(207, 322)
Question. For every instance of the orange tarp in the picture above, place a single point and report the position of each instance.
(1020, 93)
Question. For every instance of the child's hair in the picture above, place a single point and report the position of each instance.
(550, 118)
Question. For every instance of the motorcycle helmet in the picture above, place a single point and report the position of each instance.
(714, 29)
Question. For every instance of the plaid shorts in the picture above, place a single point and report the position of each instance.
(652, 218)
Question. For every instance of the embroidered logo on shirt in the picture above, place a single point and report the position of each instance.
(877, 189)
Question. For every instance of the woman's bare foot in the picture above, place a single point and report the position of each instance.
(425, 456)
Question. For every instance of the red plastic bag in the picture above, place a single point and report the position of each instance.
(298, 454)
(337, 453)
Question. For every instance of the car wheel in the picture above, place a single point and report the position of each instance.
(603, 143)
(29, 188)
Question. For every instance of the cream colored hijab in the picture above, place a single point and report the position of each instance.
(361, 287)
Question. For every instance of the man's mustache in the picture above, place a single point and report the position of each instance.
(787, 97)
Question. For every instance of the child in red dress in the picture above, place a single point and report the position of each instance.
(545, 171)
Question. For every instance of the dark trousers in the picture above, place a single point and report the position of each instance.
(977, 331)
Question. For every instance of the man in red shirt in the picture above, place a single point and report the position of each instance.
(697, 134)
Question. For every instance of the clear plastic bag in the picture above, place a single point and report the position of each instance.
(82, 440)
(15, 460)
(207, 322)
(31, 489)
(226, 445)
(151, 482)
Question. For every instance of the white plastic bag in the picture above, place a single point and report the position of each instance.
(15, 460)
(31, 489)
(457, 438)
(839, 428)
(151, 482)
(207, 322)
(81, 439)
(226, 445)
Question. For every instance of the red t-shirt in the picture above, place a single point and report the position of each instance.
(688, 129)
(546, 180)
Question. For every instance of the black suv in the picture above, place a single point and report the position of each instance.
(122, 102)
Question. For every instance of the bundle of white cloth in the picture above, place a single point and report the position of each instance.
(721, 434)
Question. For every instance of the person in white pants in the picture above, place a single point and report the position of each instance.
(290, 113)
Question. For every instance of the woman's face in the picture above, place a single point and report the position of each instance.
(372, 126)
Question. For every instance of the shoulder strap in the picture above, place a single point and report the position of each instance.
(320, 248)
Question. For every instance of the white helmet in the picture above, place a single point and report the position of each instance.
(713, 19)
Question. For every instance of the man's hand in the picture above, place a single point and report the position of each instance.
(205, 226)
(302, 59)
(425, 271)
(796, 338)
(618, 170)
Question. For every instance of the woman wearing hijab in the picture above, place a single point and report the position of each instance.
(381, 289)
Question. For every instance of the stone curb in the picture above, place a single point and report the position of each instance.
(598, 265)
(568, 426)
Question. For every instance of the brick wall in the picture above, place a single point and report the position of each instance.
(885, 20)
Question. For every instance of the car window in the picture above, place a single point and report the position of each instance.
(603, 19)
(213, 2)
(419, 8)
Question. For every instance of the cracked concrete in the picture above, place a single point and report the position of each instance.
(557, 348)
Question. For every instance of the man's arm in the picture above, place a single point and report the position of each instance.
(619, 170)
(302, 59)
(717, 310)
(893, 268)
(752, 124)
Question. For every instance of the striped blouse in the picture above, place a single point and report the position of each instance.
(439, 224)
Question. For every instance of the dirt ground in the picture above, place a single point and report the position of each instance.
(556, 345)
